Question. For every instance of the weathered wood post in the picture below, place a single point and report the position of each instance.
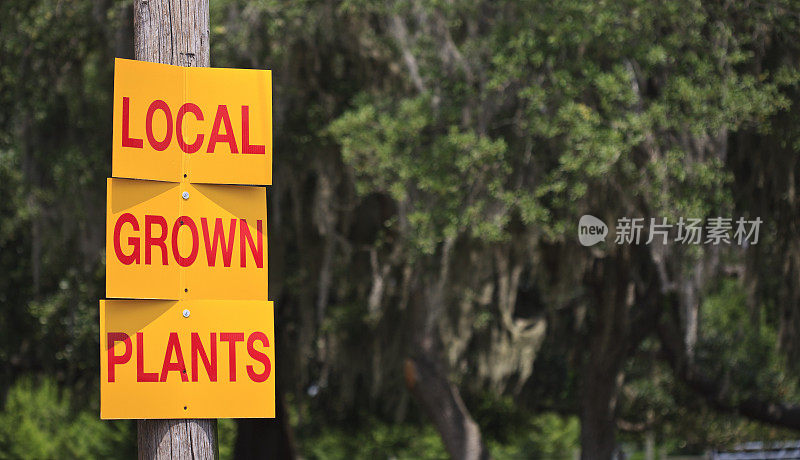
(174, 32)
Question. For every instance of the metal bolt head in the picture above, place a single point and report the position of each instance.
(185, 195)
(186, 313)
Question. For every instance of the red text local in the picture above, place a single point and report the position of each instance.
(221, 130)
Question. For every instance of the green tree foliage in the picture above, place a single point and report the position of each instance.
(555, 110)
(450, 180)
(39, 421)
(377, 439)
(738, 350)
(54, 144)
(739, 346)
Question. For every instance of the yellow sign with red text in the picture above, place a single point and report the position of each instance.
(190, 333)
(202, 125)
(190, 241)
(182, 359)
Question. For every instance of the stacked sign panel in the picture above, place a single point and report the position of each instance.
(188, 331)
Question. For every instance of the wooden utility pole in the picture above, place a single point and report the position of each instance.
(174, 32)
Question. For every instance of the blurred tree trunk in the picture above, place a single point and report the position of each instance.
(442, 402)
(625, 312)
(266, 438)
(650, 445)
(601, 378)
(598, 404)
(425, 375)
(600, 373)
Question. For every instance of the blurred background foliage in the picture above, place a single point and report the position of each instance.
(432, 160)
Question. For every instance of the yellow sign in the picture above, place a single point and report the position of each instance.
(182, 359)
(185, 241)
(203, 125)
